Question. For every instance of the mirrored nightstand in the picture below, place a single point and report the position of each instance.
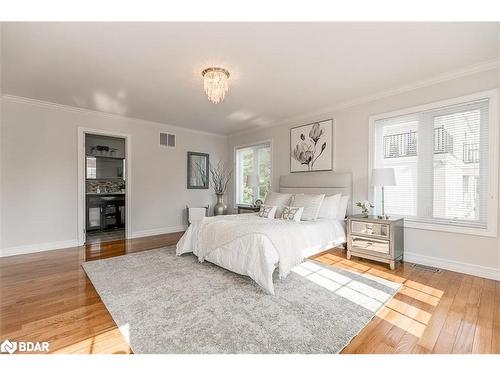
(376, 239)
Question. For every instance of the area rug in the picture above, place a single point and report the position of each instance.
(163, 303)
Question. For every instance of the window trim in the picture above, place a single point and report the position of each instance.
(247, 145)
(493, 129)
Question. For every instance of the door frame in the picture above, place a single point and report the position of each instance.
(81, 219)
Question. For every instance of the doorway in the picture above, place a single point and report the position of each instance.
(104, 184)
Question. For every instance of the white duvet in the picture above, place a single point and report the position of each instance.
(250, 245)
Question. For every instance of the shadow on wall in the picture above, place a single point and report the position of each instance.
(103, 102)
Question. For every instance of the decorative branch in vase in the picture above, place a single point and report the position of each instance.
(219, 179)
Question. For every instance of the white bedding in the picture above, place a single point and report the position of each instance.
(250, 245)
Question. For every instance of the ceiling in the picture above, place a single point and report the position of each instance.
(152, 71)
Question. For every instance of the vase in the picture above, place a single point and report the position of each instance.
(220, 207)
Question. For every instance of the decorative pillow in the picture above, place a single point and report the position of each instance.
(279, 200)
(344, 200)
(292, 213)
(330, 207)
(267, 212)
(311, 204)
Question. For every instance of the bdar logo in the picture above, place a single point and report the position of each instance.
(8, 347)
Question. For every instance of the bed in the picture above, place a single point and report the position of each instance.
(253, 246)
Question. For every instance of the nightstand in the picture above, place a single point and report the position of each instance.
(245, 209)
(376, 239)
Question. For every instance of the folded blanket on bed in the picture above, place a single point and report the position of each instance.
(288, 238)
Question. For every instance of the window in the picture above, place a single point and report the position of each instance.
(444, 158)
(91, 168)
(255, 161)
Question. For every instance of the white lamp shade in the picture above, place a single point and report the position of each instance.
(253, 180)
(383, 177)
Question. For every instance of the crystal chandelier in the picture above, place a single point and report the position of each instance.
(215, 83)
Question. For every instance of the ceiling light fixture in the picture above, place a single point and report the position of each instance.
(215, 83)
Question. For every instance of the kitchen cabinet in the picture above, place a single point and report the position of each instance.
(105, 211)
(94, 217)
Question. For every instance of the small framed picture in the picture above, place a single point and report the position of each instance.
(197, 170)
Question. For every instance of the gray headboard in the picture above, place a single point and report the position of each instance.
(328, 183)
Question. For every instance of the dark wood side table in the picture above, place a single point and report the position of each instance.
(245, 209)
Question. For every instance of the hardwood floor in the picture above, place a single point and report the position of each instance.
(105, 236)
(443, 312)
(47, 297)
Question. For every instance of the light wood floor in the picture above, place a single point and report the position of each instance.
(47, 297)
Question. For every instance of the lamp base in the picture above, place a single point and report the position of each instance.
(383, 216)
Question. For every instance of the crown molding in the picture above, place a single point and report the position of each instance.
(327, 111)
(322, 112)
(112, 116)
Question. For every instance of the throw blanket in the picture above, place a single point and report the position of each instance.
(288, 238)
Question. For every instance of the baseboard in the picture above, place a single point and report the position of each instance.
(36, 248)
(157, 231)
(28, 249)
(451, 265)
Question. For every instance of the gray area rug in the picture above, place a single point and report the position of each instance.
(169, 304)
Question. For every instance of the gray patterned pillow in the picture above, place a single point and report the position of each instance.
(292, 213)
(267, 212)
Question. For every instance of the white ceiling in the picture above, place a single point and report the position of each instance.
(152, 71)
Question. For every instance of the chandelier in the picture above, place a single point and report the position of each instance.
(215, 83)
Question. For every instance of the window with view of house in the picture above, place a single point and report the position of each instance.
(441, 158)
(256, 161)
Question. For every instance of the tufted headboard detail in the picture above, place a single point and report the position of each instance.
(328, 183)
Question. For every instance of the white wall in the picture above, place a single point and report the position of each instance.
(39, 174)
(465, 253)
(1, 117)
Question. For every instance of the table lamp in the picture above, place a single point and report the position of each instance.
(383, 177)
(253, 181)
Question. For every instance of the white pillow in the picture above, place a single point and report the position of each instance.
(342, 207)
(279, 200)
(292, 213)
(311, 204)
(330, 207)
(267, 212)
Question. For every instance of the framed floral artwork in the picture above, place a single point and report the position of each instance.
(311, 147)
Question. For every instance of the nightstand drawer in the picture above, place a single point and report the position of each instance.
(371, 244)
(370, 229)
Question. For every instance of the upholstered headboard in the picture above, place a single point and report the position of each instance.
(328, 183)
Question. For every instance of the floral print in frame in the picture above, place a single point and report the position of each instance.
(311, 147)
